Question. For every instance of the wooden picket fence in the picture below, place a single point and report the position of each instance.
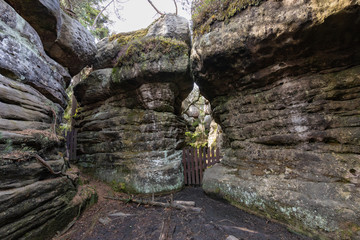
(71, 144)
(196, 160)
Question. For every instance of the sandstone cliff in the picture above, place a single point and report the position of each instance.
(283, 79)
(35, 203)
(130, 132)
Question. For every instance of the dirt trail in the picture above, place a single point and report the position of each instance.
(217, 220)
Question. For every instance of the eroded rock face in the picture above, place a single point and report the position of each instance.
(34, 203)
(35, 12)
(171, 26)
(64, 38)
(129, 130)
(22, 57)
(283, 79)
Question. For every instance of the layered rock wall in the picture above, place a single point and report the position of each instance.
(130, 133)
(283, 78)
(35, 202)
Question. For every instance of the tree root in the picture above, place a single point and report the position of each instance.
(45, 164)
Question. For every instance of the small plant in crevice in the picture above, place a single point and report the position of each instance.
(8, 146)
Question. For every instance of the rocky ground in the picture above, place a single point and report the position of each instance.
(217, 220)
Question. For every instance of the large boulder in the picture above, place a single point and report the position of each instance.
(168, 26)
(130, 133)
(64, 38)
(171, 26)
(283, 80)
(37, 191)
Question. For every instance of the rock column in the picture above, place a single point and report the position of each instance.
(130, 133)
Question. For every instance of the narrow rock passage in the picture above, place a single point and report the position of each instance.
(111, 219)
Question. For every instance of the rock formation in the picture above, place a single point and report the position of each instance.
(130, 132)
(64, 38)
(36, 189)
(283, 79)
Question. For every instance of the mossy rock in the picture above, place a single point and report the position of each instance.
(206, 12)
(151, 49)
(125, 38)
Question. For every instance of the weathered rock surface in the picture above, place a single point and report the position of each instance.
(168, 26)
(32, 84)
(34, 203)
(171, 26)
(129, 130)
(64, 38)
(39, 205)
(34, 12)
(283, 79)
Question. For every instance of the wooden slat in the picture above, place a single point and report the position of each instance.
(201, 170)
(196, 162)
(192, 166)
(188, 161)
(217, 155)
(204, 160)
(75, 144)
(189, 166)
(184, 165)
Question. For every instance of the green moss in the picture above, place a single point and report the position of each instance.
(151, 49)
(125, 38)
(206, 12)
(117, 186)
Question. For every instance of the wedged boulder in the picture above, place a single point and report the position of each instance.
(171, 26)
(283, 81)
(129, 129)
(168, 26)
(64, 38)
(75, 47)
(34, 12)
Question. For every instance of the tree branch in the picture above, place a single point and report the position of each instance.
(97, 16)
(157, 10)
(159, 204)
(176, 7)
(45, 164)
